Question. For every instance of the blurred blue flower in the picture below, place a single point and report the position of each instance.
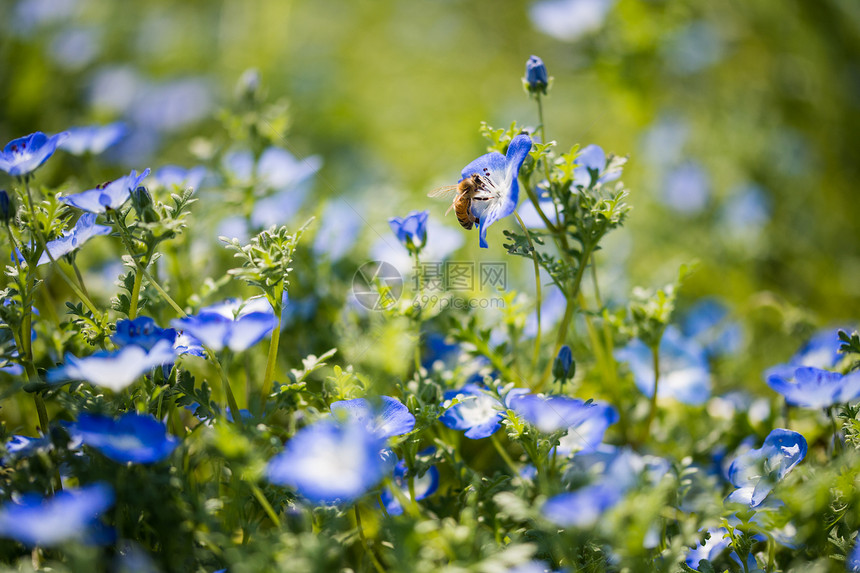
(445, 241)
(112, 196)
(664, 141)
(478, 413)
(747, 210)
(618, 472)
(277, 169)
(114, 370)
(707, 323)
(499, 191)
(693, 48)
(24, 446)
(131, 438)
(24, 155)
(75, 47)
(853, 561)
(328, 462)
(436, 348)
(583, 507)
(187, 344)
(233, 324)
(173, 105)
(591, 166)
(687, 189)
(528, 213)
(568, 20)
(70, 515)
(171, 176)
(536, 78)
(425, 486)
(392, 419)
(85, 229)
(7, 208)
(710, 549)
(551, 311)
(816, 388)
(684, 373)
(411, 230)
(756, 472)
(821, 351)
(93, 139)
(141, 331)
(585, 422)
(338, 230)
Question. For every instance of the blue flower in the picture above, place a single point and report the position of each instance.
(114, 370)
(710, 549)
(85, 229)
(392, 419)
(187, 344)
(687, 188)
(477, 412)
(232, 324)
(110, 197)
(536, 78)
(329, 462)
(93, 139)
(707, 323)
(7, 209)
(585, 422)
(816, 388)
(141, 331)
(684, 373)
(68, 516)
(171, 176)
(591, 167)
(411, 230)
(338, 230)
(756, 472)
(568, 20)
(821, 351)
(24, 155)
(424, 485)
(132, 438)
(446, 240)
(499, 189)
(853, 561)
(24, 446)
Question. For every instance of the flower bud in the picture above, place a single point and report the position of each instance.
(536, 80)
(7, 210)
(142, 201)
(248, 86)
(564, 367)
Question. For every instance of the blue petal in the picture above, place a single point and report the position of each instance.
(48, 522)
(114, 370)
(132, 438)
(329, 463)
(250, 329)
(756, 472)
(583, 507)
(93, 139)
(424, 485)
(393, 419)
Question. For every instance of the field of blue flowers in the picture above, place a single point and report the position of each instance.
(222, 349)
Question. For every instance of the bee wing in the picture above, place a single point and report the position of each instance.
(444, 191)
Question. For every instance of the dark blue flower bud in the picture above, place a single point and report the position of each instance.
(564, 367)
(536, 80)
(7, 211)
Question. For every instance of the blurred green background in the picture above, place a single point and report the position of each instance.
(741, 119)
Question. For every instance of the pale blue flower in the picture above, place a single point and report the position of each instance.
(338, 230)
(499, 189)
(585, 422)
(442, 243)
(591, 166)
(233, 324)
(142, 331)
(821, 351)
(478, 413)
(171, 176)
(711, 548)
(816, 388)
(425, 485)
(111, 196)
(708, 323)
(93, 139)
(687, 188)
(329, 462)
(756, 472)
(684, 373)
(24, 155)
(390, 419)
(85, 229)
(853, 561)
(411, 230)
(132, 438)
(114, 370)
(568, 20)
(70, 515)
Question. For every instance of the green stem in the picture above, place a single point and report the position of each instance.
(504, 455)
(80, 277)
(655, 354)
(536, 355)
(135, 295)
(271, 362)
(267, 507)
(228, 391)
(376, 564)
(418, 313)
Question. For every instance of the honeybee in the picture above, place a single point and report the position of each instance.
(464, 193)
